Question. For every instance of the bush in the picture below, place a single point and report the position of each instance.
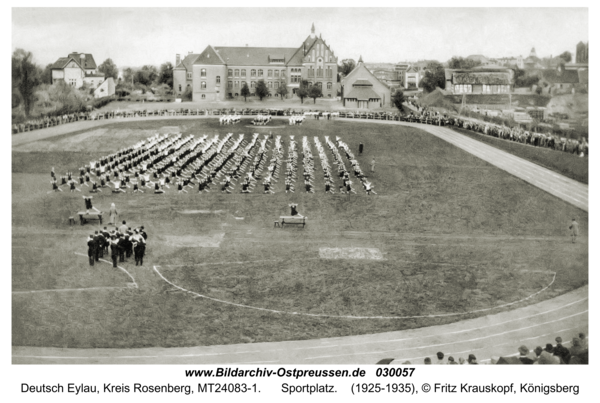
(187, 95)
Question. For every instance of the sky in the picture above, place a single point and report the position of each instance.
(139, 36)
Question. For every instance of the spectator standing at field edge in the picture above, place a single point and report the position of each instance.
(574, 227)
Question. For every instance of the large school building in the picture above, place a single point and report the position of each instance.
(219, 72)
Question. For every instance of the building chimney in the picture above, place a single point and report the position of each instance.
(177, 59)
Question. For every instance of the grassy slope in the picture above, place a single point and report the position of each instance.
(436, 204)
(569, 165)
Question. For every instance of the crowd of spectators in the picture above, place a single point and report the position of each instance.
(516, 134)
(556, 354)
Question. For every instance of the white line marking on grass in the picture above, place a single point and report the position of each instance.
(240, 262)
(69, 289)
(135, 285)
(454, 342)
(351, 253)
(349, 316)
(129, 285)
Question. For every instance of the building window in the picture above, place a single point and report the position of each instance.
(179, 87)
(203, 85)
(329, 72)
(203, 73)
(319, 84)
(328, 86)
(269, 73)
(229, 84)
(320, 72)
(253, 73)
(243, 72)
(276, 73)
(72, 82)
(269, 84)
(218, 79)
(252, 84)
(311, 72)
(244, 83)
(203, 96)
(237, 72)
(229, 73)
(236, 83)
(189, 75)
(276, 84)
(260, 73)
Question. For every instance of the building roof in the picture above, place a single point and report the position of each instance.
(362, 83)
(88, 61)
(188, 61)
(250, 56)
(557, 77)
(362, 94)
(480, 58)
(489, 78)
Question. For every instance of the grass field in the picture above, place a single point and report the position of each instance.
(454, 233)
(567, 164)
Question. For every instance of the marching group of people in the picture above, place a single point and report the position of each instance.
(162, 161)
(261, 120)
(296, 120)
(122, 241)
(229, 119)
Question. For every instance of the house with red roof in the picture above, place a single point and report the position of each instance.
(220, 72)
(77, 69)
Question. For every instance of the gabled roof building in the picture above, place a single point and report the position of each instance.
(361, 89)
(77, 69)
(219, 72)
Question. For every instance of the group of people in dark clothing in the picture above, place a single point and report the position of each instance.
(123, 243)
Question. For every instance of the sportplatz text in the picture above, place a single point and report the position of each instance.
(524, 388)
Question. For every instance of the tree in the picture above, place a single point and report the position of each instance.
(165, 76)
(434, 77)
(146, 76)
(261, 89)
(245, 91)
(462, 63)
(109, 69)
(346, 67)
(566, 56)
(302, 91)
(25, 77)
(46, 77)
(128, 75)
(398, 100)
(282, 91)
(315, 92)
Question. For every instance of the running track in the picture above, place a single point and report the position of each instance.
(498, 334)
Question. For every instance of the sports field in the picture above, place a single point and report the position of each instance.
(448, 237)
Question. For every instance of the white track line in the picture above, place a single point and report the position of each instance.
(69, 289)
(451, 343)
(447, 333)
(240, 262)
(135, 285)
(349, 316)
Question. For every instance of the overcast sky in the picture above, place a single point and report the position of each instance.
(138, 36)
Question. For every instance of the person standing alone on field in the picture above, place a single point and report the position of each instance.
(574, 227)
(113, 215)
(373, 165)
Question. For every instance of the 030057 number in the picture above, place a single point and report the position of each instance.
(391, 371)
